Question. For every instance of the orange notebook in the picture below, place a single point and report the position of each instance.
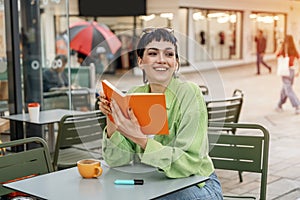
(149, 108)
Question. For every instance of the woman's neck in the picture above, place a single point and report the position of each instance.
(157, 88)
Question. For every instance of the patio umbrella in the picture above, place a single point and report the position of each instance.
(86, 36)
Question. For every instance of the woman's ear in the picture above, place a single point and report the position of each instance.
(177, 65)
(139, 61)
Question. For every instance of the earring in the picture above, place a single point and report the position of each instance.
(175, 73)
(145, 80)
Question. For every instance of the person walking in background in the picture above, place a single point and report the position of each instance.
(101, 61)
(182, 153)
(55, 77)
(261, 44)
(288, 48)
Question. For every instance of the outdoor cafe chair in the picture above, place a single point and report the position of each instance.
(81, 99)
(59, 99)
(24, 163)
(79, 137)
(225, 110)
(247, 152)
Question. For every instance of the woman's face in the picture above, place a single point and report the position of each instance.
(159, 62)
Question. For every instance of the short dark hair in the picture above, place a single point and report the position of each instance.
(61, 57)
(157, 34)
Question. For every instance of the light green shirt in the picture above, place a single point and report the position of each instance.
(184, 151)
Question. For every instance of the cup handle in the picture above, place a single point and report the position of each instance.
(98, 171)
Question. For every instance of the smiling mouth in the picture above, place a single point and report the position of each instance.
(160, 69)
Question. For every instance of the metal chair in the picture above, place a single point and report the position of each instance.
(23, 164)
(225, 110)
(60, 98)
(81, 99)
(248, 153)
(79, 137)
(55, 100)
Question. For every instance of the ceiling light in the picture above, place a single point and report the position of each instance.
(252, 16)
(147, 17)
(167, 15)
(198, 16)
(221, 14)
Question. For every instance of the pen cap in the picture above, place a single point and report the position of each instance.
(138, 181)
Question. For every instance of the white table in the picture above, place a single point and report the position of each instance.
(47, 117)
(68, 184)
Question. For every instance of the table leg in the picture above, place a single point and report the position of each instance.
(51, 137)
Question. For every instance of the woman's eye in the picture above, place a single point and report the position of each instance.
(170, 54)
(152, 53)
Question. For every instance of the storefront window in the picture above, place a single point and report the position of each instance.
(219, 34)
(273, 27)
(40, 48)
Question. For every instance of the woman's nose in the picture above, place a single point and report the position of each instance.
(161, 57)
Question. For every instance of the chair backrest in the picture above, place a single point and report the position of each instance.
(81, 98)
(59, 99)
(55, 100)
(78, 129)
(84, 76)
(245, 152)
(27, 163)
(225, 110)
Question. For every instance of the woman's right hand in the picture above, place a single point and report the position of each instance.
(104, 104)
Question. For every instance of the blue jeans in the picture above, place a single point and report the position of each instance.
(287, 91)
(211, 191)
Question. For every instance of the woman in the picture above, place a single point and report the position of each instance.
(184, 151)
(288, 48)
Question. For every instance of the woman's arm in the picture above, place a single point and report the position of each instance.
(116, 149)
(186, 153)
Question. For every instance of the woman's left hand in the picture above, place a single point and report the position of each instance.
(129, 127)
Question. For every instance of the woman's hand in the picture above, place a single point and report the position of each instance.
(129, 127)
(104, 106)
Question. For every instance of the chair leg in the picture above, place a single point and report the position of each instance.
(240, 176)
(240, 172)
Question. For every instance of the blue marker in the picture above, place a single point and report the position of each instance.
(129, 182)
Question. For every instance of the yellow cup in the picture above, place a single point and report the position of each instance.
(89, 168)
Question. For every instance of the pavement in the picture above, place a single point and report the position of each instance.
(261, 95)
